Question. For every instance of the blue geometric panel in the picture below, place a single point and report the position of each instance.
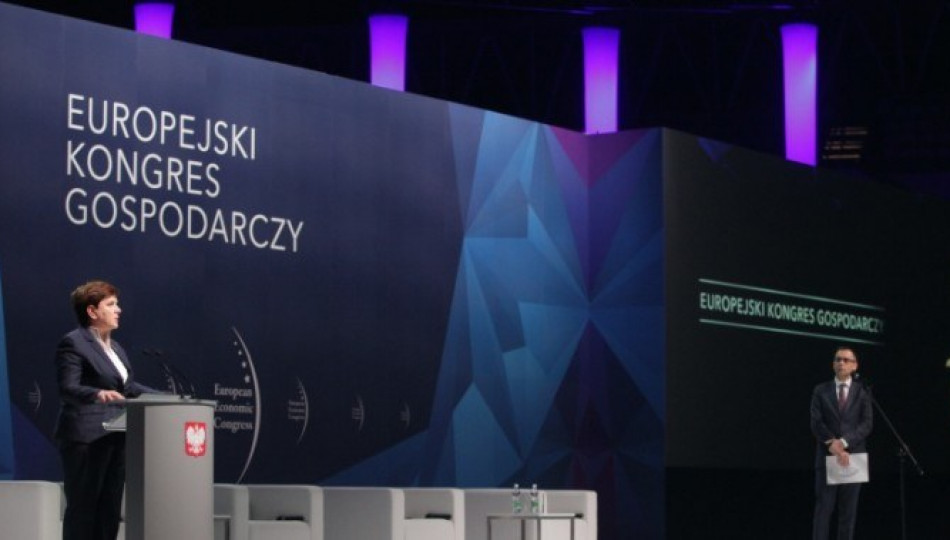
(563, 272)
(553, 364)
(632, 336)
(484, 452)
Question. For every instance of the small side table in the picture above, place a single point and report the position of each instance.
(536, 518)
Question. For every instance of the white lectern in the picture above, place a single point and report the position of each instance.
(169, 486)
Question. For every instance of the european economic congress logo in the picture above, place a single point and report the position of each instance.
(140, 169)
(298, 409)
(238, 409)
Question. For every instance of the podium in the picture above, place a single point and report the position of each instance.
(169, 486)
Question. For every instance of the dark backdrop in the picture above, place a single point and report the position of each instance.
(742, 226)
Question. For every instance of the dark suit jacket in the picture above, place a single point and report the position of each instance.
(82, 370)
(853, 424)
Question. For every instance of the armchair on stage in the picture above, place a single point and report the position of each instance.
(31, 510)
(582, 504)
(435, 514)
(377, 513)
(268, 512)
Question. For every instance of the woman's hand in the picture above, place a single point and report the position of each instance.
(105, 396)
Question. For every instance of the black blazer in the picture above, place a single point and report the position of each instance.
(853, 424)
(82, 370)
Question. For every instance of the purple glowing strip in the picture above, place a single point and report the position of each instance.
(800, 59)
(154, 19)
(601, 52)
(388, 51)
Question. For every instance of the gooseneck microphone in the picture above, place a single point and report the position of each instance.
(179, 381)
(165, 371)
(183, 381)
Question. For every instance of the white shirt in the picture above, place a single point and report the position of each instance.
(119, 366)
(847, 387)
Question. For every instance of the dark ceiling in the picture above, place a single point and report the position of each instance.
(709, 67)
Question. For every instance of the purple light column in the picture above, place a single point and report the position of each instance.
(800, 59)
(601, 51)
(387, 35)
(154, 18)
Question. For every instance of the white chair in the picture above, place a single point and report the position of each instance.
(270, 512)
(581, 503)
(434, 514)
(285, 512)
(31, 510)
(364, 513)
(231, 509)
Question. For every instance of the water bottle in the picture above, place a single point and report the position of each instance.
(535, 501)
(516, 507)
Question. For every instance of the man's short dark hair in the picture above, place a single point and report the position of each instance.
(847, 348)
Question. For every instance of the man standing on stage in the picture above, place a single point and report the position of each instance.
(841, 420)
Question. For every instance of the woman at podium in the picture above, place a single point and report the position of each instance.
(94, 376)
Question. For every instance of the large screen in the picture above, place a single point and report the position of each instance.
(771, 266)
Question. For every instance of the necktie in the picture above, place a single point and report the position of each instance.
(842, 396)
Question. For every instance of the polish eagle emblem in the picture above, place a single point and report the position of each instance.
(196, 439)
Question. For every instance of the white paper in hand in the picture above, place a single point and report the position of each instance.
(855, 472)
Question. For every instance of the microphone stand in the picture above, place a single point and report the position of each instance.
(176, 377)
(182, 382)
(903, 454)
